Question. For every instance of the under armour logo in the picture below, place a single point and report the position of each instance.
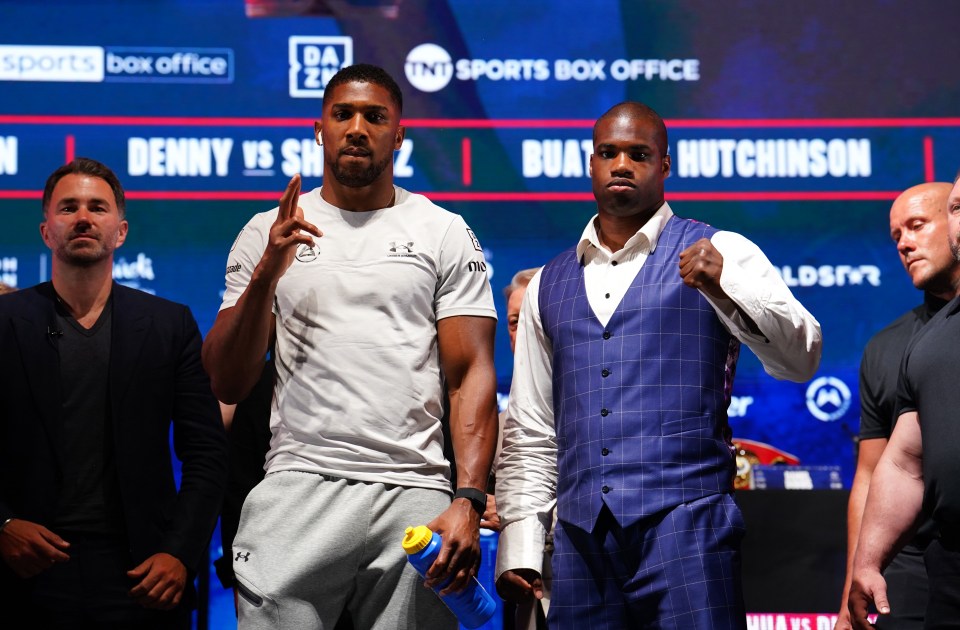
(242, 556)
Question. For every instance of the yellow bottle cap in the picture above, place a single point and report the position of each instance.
(416, 538)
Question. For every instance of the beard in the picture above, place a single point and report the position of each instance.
(955, 247)
(356, 176)
(86, 255)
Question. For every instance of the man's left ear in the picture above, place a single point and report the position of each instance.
(666, 166)
(122, 233)
(401, 132)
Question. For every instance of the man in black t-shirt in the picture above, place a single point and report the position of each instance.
(918, 227)
(94, 532)
(919, 471)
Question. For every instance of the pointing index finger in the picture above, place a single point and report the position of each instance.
(288, 202)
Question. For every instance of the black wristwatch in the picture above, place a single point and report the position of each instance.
(477, 498)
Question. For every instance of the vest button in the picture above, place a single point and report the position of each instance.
(604, 412)
(607, 295)
(605, 489)
(605, 373)
(605, 452)
(606, 334)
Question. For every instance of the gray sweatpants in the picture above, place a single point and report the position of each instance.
(310, 545)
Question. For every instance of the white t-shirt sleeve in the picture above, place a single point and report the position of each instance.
(245, 255)
(462, 286)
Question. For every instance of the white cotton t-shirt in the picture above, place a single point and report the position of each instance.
(359, 388)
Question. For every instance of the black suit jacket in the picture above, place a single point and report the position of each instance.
(155, 378)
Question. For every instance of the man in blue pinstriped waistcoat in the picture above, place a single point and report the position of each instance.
(625, 357)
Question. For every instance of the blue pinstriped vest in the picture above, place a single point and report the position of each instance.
(640, 405)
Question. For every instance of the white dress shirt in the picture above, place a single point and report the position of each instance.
(789, 348)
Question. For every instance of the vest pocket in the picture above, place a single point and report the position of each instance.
(687, 424)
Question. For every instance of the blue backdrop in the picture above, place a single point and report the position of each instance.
(795, 124)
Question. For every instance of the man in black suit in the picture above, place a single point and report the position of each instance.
(93, 530)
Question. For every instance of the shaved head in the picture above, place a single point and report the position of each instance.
(635, 110)
(919, 227)
(931, 194)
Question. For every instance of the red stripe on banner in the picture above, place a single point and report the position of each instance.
(70, 148)
(928, 172)
(475, 123)
(508, 196)
(502, 123)
(156, 121)
(240, 195)
(467, 166)
(21, 194)
(839, 195)
(817, 122)
(204, 195)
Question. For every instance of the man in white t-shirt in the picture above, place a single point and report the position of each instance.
(377, 300)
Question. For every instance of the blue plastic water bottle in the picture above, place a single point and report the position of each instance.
(473, 606)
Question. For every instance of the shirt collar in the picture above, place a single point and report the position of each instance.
(647, 235)
(931, 305)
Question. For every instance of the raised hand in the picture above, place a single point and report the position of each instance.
(288, 232)
(700, 267)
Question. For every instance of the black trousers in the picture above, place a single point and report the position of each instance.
(942, 559)
(92, 590)
(907, 591)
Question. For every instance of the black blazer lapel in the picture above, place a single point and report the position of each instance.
(37, 341)
(131, 324)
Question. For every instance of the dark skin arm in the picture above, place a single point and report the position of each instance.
(161, 580)
(490, 518)
(520, 585)
(235, 347)
(700, 268)
(466, 356)
(30, 548)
